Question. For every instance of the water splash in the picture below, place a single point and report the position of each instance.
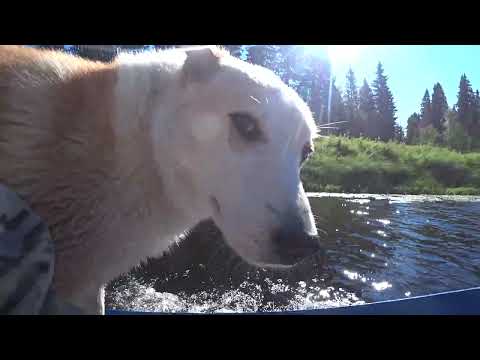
(382, 233)
(380, 286)
(249, 297)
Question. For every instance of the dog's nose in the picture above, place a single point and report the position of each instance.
(292, 247)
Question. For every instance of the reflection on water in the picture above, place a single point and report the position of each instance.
(376, 248)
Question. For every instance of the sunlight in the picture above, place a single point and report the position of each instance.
(337, 54)
(343, 54)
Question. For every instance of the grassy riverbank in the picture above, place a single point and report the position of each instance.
(340, 164)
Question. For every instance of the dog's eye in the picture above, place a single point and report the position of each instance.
(247, 126)
(306, 152)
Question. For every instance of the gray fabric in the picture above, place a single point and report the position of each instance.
(54, 306)
(26, 261)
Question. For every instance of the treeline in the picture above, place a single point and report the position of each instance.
(437, 124)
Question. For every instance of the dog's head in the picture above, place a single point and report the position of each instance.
(238, 141)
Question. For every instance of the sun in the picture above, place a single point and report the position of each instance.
(343, 54)
(339, 55)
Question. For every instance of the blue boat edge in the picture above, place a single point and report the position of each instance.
(456, 302)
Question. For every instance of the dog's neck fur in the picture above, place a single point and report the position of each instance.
(144, 95)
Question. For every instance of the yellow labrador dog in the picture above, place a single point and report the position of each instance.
(122, 158)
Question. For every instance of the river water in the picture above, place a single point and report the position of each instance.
(376, 248)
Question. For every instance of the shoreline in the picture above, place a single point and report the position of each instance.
(360, 166)
(394, 197)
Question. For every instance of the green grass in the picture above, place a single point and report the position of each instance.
(341, 164)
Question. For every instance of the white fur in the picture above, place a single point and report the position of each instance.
(194, 157)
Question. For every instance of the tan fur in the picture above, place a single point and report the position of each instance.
(57, 148)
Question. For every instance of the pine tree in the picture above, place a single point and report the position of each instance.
(337, 110)
(302, 69)
(163, 47)
(351, 105)
(399, 134)
(425, 111)
(235, 50)
(320, 73)
(51, 47)
(465, 104)
(476, 118)
(295, 68)
(413, 129)
(102, 52)
(439, 108)
(285, 61)
(477, 104)
(456, 136)
(309, 75)
(263, 55)
(384, 104)
(367, 113)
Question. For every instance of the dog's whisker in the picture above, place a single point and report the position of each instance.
(322, 231)
(255, 99)
(331, 123)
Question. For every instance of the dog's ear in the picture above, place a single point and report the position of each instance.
(201, 63)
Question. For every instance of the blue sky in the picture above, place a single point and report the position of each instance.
(411, 69)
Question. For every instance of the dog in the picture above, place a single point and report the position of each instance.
(122, 158)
